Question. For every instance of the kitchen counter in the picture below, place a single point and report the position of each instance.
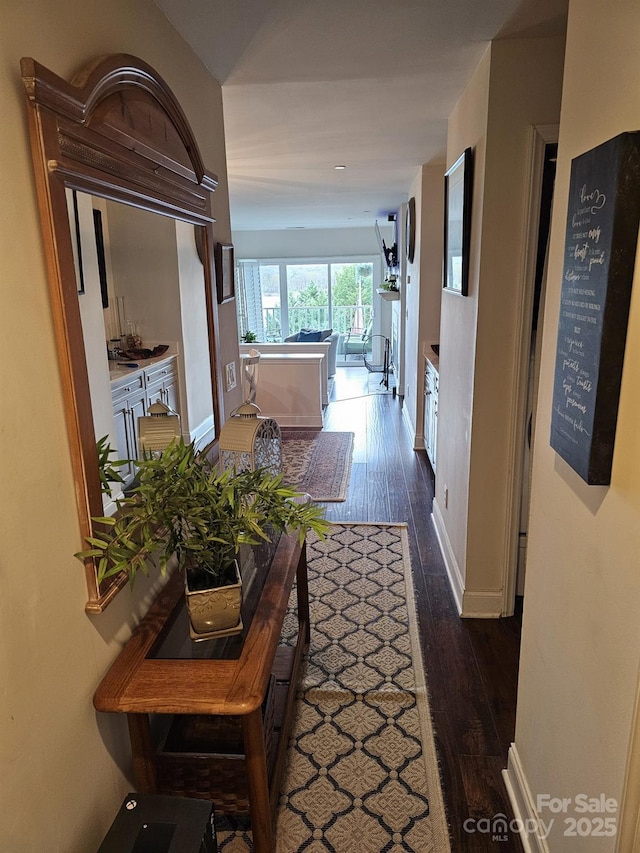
(431, 357)
(117, 369)
(431, 383)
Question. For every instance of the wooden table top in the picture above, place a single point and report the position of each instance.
(139, 684)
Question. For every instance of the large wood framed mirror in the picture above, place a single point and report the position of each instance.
(113, 148)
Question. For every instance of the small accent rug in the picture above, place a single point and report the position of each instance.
(362, 773)
(318, 463)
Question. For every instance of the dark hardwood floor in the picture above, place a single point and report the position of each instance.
(471, 664)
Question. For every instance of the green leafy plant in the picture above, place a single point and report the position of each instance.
(108, 468)
(249, 337)
(181, 504)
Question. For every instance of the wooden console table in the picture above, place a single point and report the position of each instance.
(212, 719)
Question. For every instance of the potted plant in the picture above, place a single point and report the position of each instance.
(181, 504)
(249, 337)
(107, 467)
(390, 283)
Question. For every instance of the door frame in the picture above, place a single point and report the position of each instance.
(540, 136)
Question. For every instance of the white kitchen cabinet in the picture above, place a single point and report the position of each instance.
(132, 393)
(431, 379)
(129, 399)
(162, 383)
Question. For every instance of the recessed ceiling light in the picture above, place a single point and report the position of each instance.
(339, 168)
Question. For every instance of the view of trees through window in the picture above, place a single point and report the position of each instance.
(280, 299)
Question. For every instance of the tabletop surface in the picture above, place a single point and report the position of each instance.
(160, 671)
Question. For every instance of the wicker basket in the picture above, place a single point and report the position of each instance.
(203, 757)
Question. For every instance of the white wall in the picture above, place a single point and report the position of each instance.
(581, 632)
(423, 290)
(142, 246)
(195, 336)
(467, 128)
(92, 316)
(64, 767)
(312, 243)
(517, 85)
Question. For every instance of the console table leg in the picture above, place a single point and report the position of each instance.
(258, 782)
(302, 586)
(142, 752)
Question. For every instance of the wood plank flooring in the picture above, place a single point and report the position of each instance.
(471, 665)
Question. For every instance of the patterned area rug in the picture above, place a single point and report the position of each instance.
(318, 463)
(362, 772)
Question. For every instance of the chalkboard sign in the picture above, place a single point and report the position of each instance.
(600, 246)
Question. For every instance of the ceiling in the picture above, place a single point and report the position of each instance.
(367, 84)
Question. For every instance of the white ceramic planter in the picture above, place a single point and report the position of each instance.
(388, 295)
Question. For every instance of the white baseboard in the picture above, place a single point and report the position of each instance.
(411, 430)
(286, 419)
(416, 438)
(522, 803)
(203, 434)
(476, 604)
(482, 604)
(451, 564)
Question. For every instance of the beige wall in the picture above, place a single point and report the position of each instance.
(517, 85)
(467, 128)
(63, 765)
(423, 291)
(411, 304)
(311, 243)
(581, 632)
(431, 230)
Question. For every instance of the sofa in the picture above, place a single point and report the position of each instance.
(315, 336)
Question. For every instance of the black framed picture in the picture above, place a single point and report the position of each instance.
(224, 272)
(76, 242)
(458, 190)
(411, 229)
(102, 266)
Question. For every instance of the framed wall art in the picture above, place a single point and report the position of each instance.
(458, 187)
(102, 264)
(411, 229)
(76, 239)
(224, 272)
(601, 238)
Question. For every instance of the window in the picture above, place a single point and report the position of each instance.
(278, 298)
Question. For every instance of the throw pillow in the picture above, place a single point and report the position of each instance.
(325, 333)
(309, 335)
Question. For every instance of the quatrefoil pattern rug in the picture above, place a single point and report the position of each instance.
(362, 773)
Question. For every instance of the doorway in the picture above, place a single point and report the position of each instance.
(545, 150)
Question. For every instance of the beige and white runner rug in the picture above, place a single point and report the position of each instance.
(362, 774)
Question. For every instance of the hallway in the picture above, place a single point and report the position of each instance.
(471, 665)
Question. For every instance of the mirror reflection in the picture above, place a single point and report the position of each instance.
(141, 294)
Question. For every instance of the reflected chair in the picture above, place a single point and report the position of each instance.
(357, 342)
